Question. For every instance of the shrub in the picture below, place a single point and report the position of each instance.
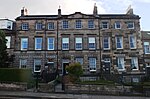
(15, 75)
(75, 71)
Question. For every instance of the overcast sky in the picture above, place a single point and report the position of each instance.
(11, 8)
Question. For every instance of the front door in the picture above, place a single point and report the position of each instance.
(64, 68)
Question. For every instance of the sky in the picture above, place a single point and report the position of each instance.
(10, 9)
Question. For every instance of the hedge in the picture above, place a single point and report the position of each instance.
(15, 75)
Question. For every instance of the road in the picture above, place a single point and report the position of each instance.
(38, 95)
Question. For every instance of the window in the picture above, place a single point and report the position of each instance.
(37, 65)
(38, 43)
(117, 25)
(9, 25)
(51, 26)
(79, 60)
(39, 26)
(25, 26)
(104, 25)
(91, 24)
(107, 60)
(23, 63)
(130, 25)
(50, 67)
(8, 41)
(132, 42)
(119, 43)
(65, 24)
(146, 48)
(91, 42)
(134, 63)
(78, 44)
(65, 43)
(92, 64)
(120, 63)
(78, 24)
(106, 43)
(24, 43)
(50, 43)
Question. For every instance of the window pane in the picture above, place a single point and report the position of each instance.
(65, 43)
(120, 63)
(104, 25)
(8, 41)
(91, 24)
(106, 43)
(37, 65)
(78, 43)
(50, 43)
(130, 25)
(38, 43)
(39, 26)
(134, 63)
(65, 24)
(80, 60)
(23, 63)
(132, 42)
(91, 43)
(117, 25)
(78, 24)
(51, 26)
(25, 26)
(119, 42)
(24, 43)
(92, 63)
(146, 48)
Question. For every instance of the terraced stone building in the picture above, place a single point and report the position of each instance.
(102, 43)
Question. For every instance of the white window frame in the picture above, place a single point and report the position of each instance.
(65, 43)
(65, 24)
(51, 26)
(92, 40)
(50, 43)
(134, 61)
(23, 63)
(78, 24)
(79, 60)
(120, 61)
(24, 26)
(38, 43)
(78, 41)
(132, 42)
(108, 43)
(146, 47)
(39, 26)
(24, 41)
(117, 23)
(92, 64)
(8, 41)
(91, 24)
(129, 24)
(38, 62)
(105, 25)
(119, 42)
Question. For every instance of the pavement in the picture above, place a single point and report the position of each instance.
(39, 95)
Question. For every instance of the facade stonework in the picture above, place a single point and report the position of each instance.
(102, 43)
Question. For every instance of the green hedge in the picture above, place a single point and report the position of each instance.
(15, 75)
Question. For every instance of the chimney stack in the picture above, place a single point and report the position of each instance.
(95, 10)
(24, 11)
(129, 10)
(59, 12)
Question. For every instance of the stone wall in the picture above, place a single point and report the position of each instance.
(102, 90)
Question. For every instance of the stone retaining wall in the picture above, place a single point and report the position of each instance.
(99, 89)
